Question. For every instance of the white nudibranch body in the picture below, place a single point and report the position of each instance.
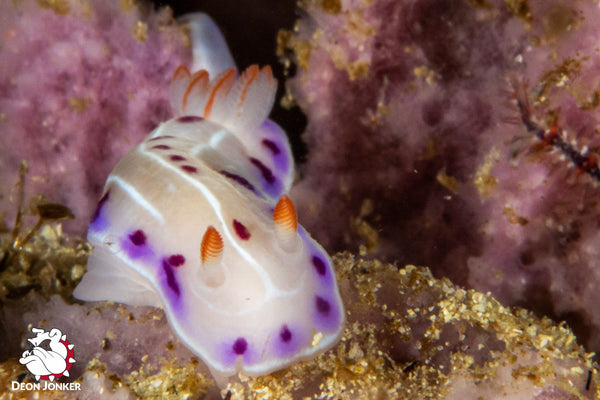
(195, 220)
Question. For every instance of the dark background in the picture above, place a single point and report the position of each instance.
(250, 28)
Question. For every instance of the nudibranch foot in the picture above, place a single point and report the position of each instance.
(209, 49)
(196, 220)
(124, 283)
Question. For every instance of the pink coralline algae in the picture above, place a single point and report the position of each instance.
(408, 335)
(80, 84)
(433, 132)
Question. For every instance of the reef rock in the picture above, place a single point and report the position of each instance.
(407, 335)
(460, 135)
(80, 84)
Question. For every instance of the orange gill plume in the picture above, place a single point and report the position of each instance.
(251, 73)
(223, 84)
(199, 79)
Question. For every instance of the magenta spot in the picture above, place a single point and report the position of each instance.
(238, 179)
(323, 305)
(241, 230)
(189, 168)
(103, 200)
(138, 238)
(269, 144)
(285, 334)
(176, 260)
(190, 118)
(171, 280)
(161, 147)
(161, 137)
(177, 157)
(240, 346)
(266, 173)
(319, 265)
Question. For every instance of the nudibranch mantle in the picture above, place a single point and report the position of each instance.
(195, 220)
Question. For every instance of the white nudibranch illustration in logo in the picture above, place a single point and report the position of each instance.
(48, 364)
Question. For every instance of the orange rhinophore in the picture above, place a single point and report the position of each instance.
(211, 247)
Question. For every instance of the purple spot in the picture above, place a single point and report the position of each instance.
(189, 168)
(176, 260)
(240, 346)
(177, 157)
(274, 139)
(238, 179)
(103, 200)
(170, 274)
(190, 118)
(319, 265)
(266, 173)
(323, 305)
(161, 147)
(291, 339)
(138, 238)
(160, 137)
(241, 230)
(285, 334)
(269, 144)
(137, 246)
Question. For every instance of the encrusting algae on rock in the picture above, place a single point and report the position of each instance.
(474, 131)
(80, 83)
(408, 335)
(39, 257)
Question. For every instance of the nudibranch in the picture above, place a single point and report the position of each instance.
(196, 220)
